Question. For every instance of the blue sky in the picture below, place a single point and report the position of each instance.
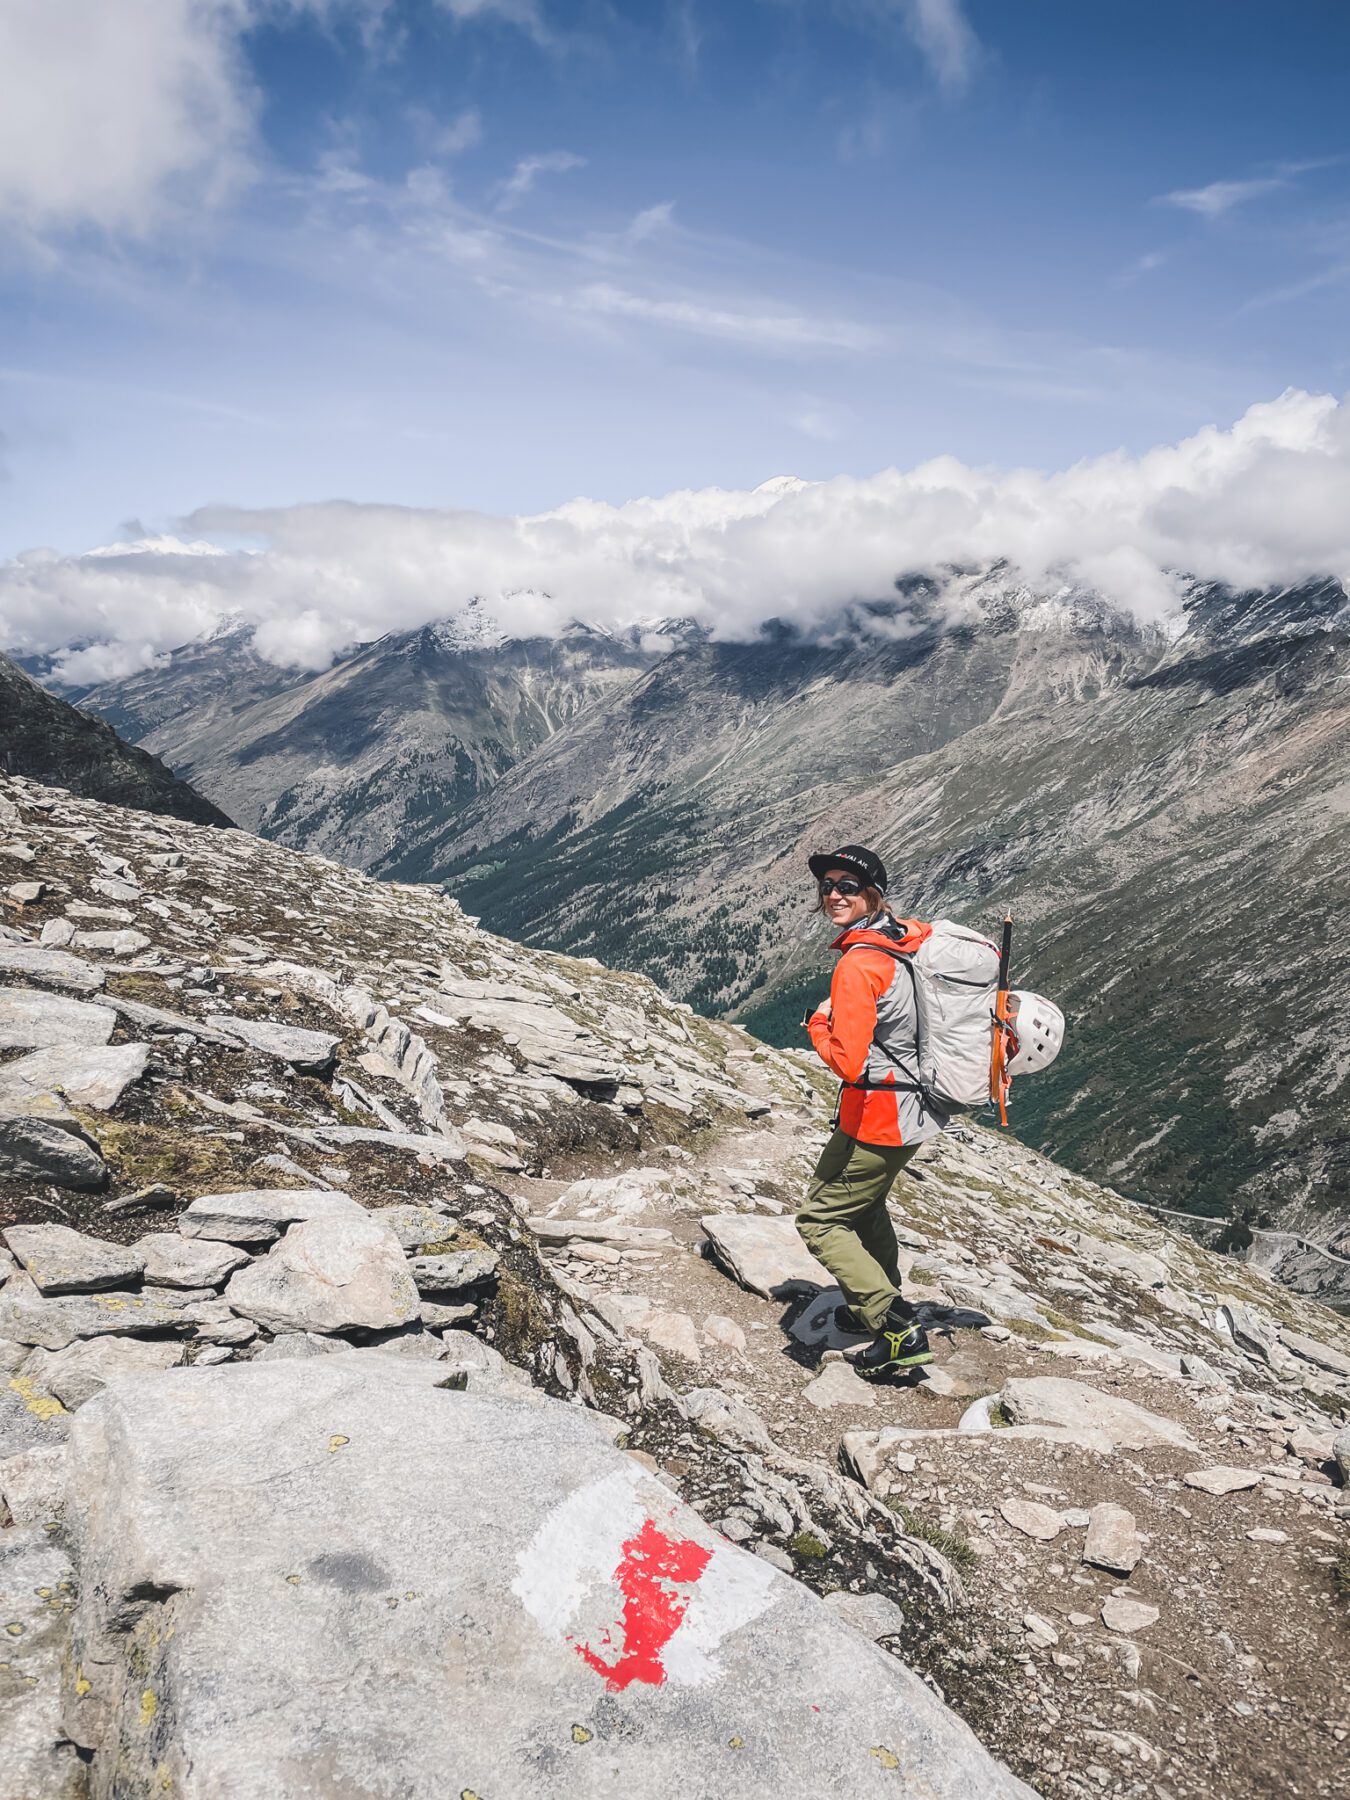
(495, 254)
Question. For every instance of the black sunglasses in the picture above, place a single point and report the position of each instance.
(843, 884)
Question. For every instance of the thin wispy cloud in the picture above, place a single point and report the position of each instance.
(527, 172)
(766, 330)
(1219, 197)
(650, 222)
(525, 14)
(459, 135)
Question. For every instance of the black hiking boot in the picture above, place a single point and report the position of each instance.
(847, 1321)
(900, 1345)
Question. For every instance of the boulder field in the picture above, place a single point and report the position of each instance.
(412, 1382)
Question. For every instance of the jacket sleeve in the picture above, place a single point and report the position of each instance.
(843, 1039)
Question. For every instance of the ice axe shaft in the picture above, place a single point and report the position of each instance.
(999, 1080)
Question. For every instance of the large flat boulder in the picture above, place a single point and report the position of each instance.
(342, 1574)
(41, 963)
(309, 1052)
(29, 1317)
(335, 1274)
(172, 1260)
(260, 1215)
(32, 1020)
(92, 1075)
(765, 1255)
(49, 1144)
(1052, 1400)
(62, 1261)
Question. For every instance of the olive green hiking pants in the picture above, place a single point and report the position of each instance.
(845, 1225)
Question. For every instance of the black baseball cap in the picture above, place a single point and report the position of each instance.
(865, 864)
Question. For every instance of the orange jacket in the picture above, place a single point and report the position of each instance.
(848, 1039)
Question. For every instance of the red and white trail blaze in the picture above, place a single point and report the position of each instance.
(636, 1599)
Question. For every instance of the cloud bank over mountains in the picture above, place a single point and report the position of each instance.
(1263, 503)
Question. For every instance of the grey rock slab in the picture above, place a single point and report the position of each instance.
(1340, 1450)
(299, 1346)
(172, 1260)
(29, 1317)
(521, 1639)
(441, 1147)
(1112, 1540)
(765, 1255)
(482, 1369)
(597, 1231)
(1123, 1614)
(62, 1261)
(310, 1052)
(872, 1614)
(437, 1317)
(1202, 1373)
(671, 1331)
(85, 1368)
(839, 1385)
(1320, 1355)
(728, 1420)
(112, 943)
(37, 1591)
(1032, 1518)
(33, 1485)
(43, 963)
(1053, 1400)
(50, 1145)
(417, 1228)
(33, 1020)
(1222, 1480)
(450, 1273)
(331, 1274)
(94, 1076)
(1252, 1331)
(159, 1018)
(260, 1215)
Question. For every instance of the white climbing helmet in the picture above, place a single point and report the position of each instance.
(1039, 1025)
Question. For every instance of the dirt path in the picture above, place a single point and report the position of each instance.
(1239, 1684)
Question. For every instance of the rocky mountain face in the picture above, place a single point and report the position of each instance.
(1165, 813)
(410, 1373)
(356, 760)
(46, 738)
(1167, 820)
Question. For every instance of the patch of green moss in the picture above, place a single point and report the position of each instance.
(998, 1418)
(806, 1543)
(188, 1162)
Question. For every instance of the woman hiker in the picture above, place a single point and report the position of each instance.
(867, 1034)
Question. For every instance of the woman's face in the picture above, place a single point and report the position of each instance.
(843, 909)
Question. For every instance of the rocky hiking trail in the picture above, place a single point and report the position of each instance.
(411, 1381)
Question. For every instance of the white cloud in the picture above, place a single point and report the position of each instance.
(528, 170)
(1221, 196)
(1260, 503)
(943, 34)
(132, 116)
(110, 112)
